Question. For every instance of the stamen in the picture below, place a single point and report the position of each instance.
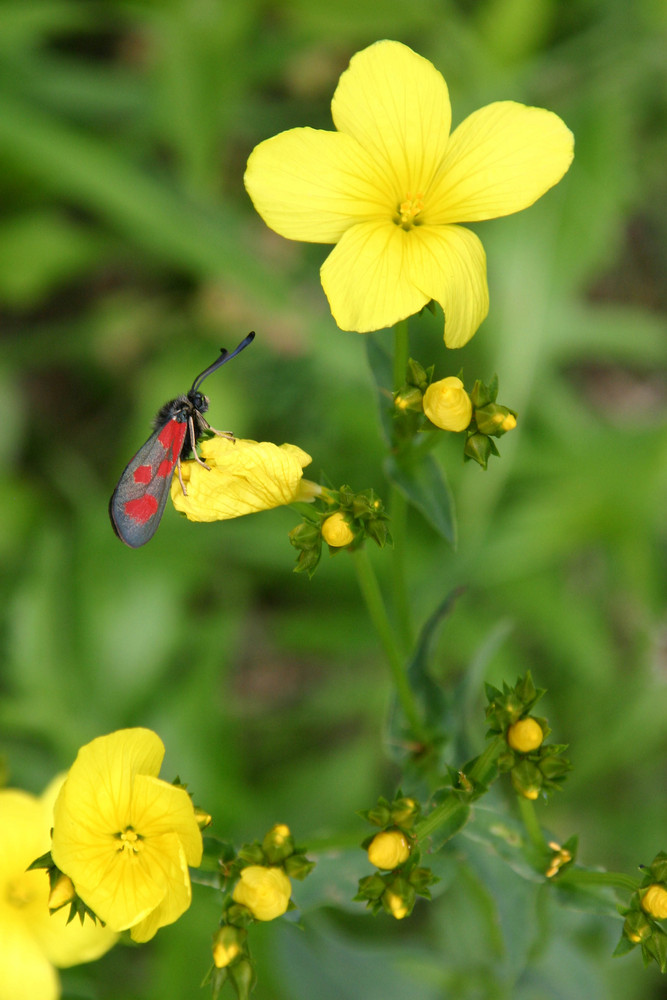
(408, 211)
(130, 841)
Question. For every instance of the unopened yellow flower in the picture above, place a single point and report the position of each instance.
(391, 184)
(448, 405)
(265, 891)
(388, 849)
(336, 530)
(243, 477)
(32, 941)
(397, 905)
(654, 902)
(525, 735)
(226, 946)
(125, 837)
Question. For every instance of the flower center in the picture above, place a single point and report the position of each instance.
(408, 210)
(130, 842)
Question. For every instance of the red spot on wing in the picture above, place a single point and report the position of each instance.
(171, 437)
(143, 474)
(165, 468)
(142, 508)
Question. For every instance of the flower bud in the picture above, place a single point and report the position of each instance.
(62, 892)
(495, 420)
(264, 891)
(404, 812)
(525, 735)
(278, 843)
(203, 818)
(479, 448)
(448, 405)
(399, 898)
(654, 902)
(336, 531)
(388, 849)
(409, 398)
(227, 946)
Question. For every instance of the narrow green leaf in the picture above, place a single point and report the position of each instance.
(423, 484)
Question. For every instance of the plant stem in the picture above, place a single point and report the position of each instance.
(530, 822)
(398, 509)
(617, 880)
(372, 595)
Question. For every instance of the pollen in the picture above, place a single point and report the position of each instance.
(408, 210)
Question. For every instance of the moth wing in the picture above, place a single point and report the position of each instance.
(138, 502)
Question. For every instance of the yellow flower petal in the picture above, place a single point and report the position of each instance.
(448, 264)
(159, 808)
(500, 160)
(312, 185)
(396, 105)
(26, 972)
(243, 477)
(368, 279)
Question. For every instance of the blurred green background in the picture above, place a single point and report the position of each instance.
(129, 254)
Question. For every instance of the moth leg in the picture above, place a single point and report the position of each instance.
(193, 444)
(180, 477)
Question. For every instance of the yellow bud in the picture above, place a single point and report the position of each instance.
(448, 405)
(525, 735)
(388, 849)
(396, 905)
(279, 833)
(336, 531)
(530, 793)
(265, 891)
(654, 902)
(509, 423)
(203, 818)
(63, 892)
(226, 946)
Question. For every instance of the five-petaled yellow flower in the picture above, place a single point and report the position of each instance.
(242, 477)
(390, 186)
(32, 941)
(125, 837)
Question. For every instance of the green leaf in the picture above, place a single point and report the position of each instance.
(424, 485)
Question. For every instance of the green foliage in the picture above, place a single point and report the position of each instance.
(128, 254)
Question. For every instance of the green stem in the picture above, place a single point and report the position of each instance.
(399, 518)
(530, 822)
(401, 353)
(372, 595)
(398, 509)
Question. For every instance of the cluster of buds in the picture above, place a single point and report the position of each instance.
(341, 519)
(260, 873)
(535, 767)
(647, 906)
(448, 406)
(394, 851)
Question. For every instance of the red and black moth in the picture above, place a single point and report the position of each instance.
(139, 499)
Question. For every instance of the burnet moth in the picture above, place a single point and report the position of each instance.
(139, 499)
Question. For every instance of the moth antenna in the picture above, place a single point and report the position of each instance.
(224, 357)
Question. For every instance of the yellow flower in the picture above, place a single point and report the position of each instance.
(125, 837)
(525, 735)
(654, 902)
(265, 891)
(389, 186)
(32, 941)
(243, 477)
(388, 849)
(336, 531)
(448, 405)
